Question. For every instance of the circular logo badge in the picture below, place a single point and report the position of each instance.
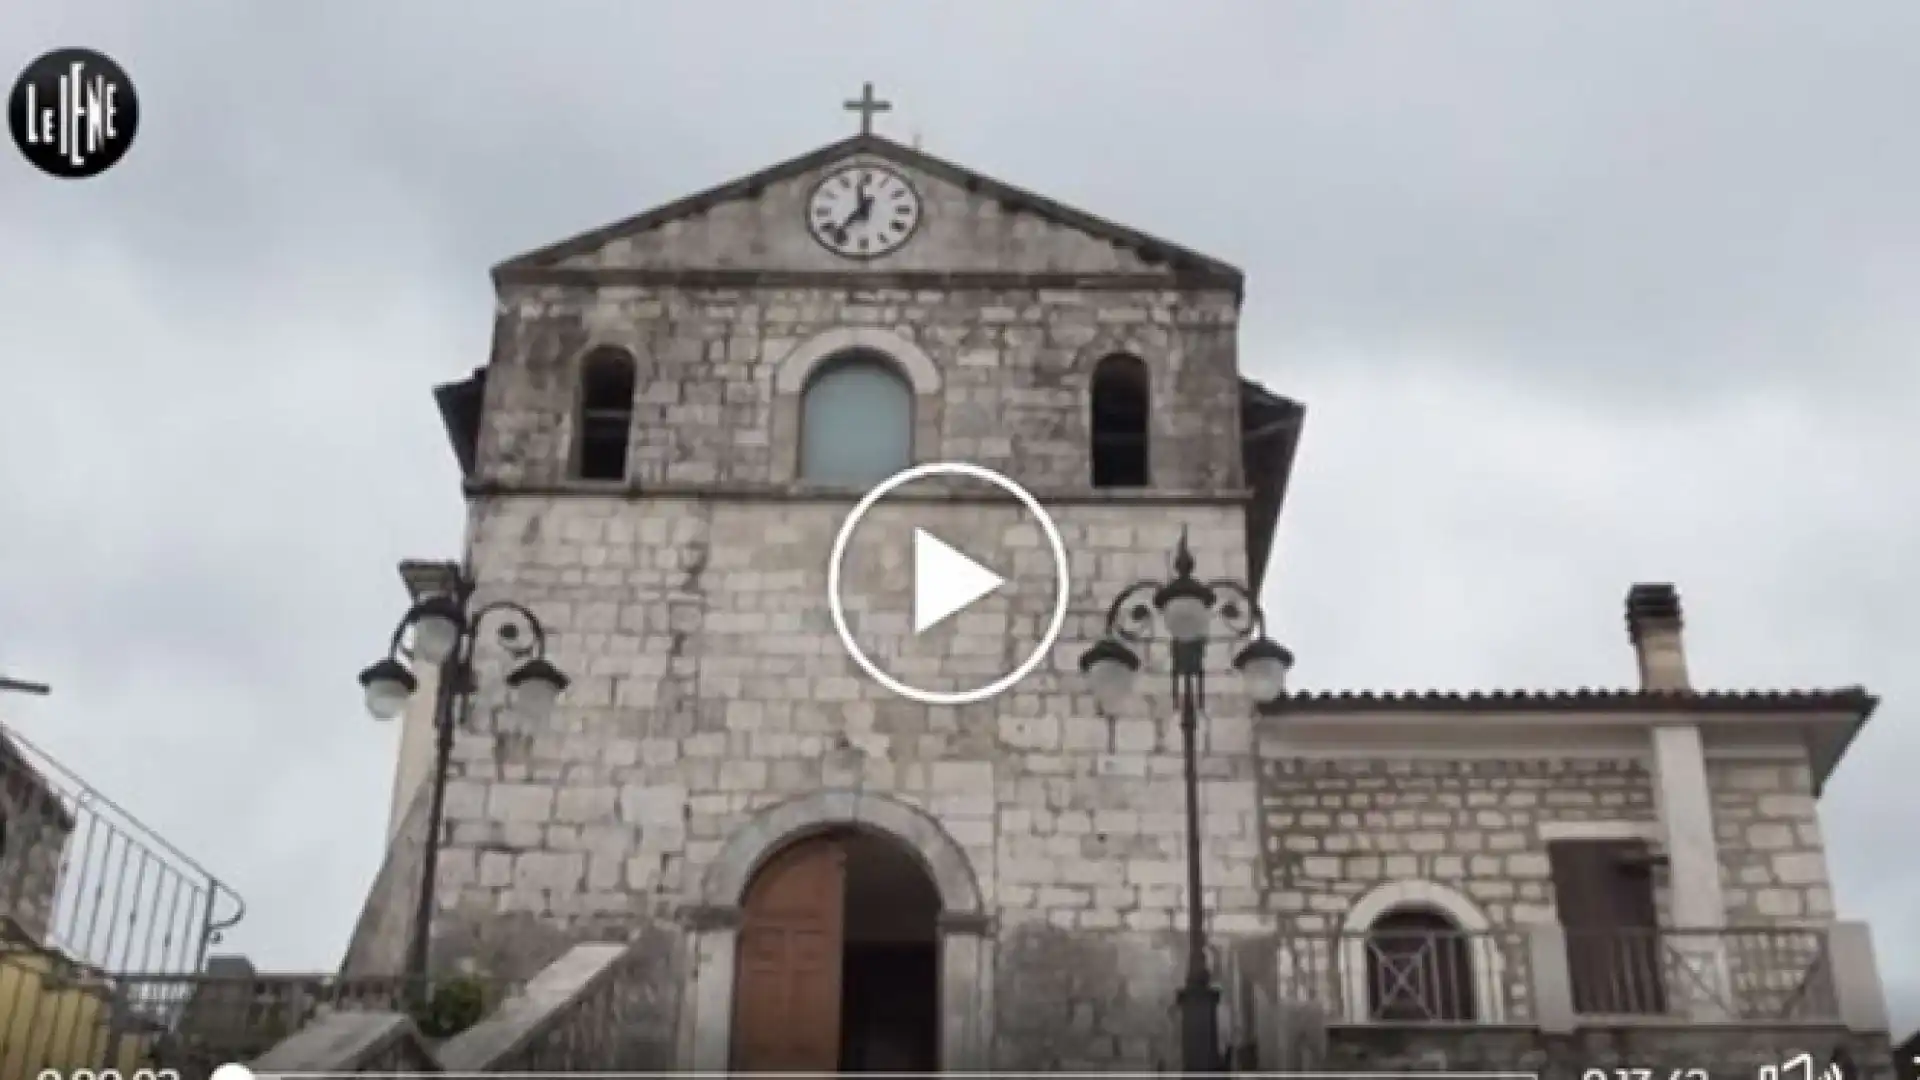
(73, 113)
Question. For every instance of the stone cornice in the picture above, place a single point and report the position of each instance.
(749, 492)
(907, 280)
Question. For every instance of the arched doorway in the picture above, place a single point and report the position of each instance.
(837, 966)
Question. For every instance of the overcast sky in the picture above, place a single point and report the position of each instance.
(1576, 297)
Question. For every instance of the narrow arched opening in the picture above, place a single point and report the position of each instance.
(606, 414)
(1120, 412)
(838, 967)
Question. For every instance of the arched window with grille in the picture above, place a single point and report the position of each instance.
(856, 421)
(1120, 413)
(605, 425)
(1419, 968)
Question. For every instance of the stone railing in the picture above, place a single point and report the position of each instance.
(582, 1013)
(352, 1042)
(1559, 980)
(59, 1017)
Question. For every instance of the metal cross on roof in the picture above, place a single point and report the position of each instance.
(866, 106)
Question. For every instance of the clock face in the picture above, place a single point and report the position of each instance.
(862, 211)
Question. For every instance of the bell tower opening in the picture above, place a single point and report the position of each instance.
(839, 960)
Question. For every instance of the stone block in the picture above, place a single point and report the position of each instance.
(662, 804)
(1147, 872)
(1529, 865)
(974, 777)
(586, 804)
(522, 803)
(496, 869)
(1135, 736)
(547, 871)
(1787, 806)
(466, 800)
(738, 774)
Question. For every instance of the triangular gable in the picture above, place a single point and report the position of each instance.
(973, 224)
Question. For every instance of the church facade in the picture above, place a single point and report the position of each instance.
(678, 415)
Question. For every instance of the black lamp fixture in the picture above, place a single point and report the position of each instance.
(1192, 614)
(444, 629)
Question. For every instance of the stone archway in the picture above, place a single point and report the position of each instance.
(1482, 949)
(791, 371)
(790, 377)
(964, 945)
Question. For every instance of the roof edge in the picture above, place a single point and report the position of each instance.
(1149, 247)
(1852, 700)
(1278, 436)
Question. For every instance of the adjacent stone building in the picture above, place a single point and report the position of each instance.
(679, 413)
(34, 827)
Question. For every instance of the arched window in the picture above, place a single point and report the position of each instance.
(1120, 402)
(606, 415)
(1419, 968)
(856, 421)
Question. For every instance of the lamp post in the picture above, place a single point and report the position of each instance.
(1191, 613)
(446, 627)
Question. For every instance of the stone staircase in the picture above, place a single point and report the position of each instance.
(577, 1015)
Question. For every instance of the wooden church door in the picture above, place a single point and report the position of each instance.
(786, 998)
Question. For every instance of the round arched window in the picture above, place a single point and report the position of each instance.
(856, 422)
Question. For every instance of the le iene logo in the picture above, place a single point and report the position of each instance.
(73, 113)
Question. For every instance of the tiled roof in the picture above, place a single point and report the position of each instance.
(1850, 699)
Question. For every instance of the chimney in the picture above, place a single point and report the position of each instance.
(1653, 622)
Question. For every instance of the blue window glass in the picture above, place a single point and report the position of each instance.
(856, 423)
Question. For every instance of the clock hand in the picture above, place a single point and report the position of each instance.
(861, 211)
(863, 208)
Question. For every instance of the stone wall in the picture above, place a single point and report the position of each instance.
(1773, 864)
(378, 945)
(709, 683)
(1336, 829)
(1014, 366)
(33, 837)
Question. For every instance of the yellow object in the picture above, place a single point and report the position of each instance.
(57, 1016)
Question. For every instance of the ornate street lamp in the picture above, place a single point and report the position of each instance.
(445, 632)
(1189, 611)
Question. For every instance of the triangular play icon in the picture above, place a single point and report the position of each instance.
(944, 581)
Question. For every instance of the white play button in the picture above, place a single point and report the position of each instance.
(944, 581)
